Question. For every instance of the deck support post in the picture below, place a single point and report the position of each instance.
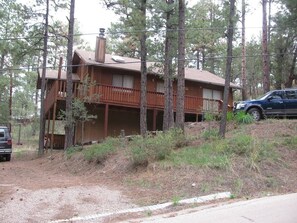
(155, 113)
(53, 126)
(106, 120)
(48, 129)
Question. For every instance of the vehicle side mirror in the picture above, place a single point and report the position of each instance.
(269, 98)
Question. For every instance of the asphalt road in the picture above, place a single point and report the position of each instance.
(274, 209)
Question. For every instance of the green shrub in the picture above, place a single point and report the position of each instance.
(99, 152)
(155, 147)
(72, 150)
(291, 142)
(206, 155)
(139, 153)
(210, 134)
(218, 154)
(240, 145)
(209, 116)
(243, 118)
(230, 116)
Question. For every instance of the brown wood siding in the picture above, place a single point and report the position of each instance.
(119, 119)
(93, 128)
(123, 119)
(124, 103)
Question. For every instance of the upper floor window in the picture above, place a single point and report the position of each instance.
(160, 87)
(124, 81)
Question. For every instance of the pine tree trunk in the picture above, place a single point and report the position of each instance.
(42, 112)
(265, 57)
(180, 116)
(228, 69)
(10, 99)
(69, 127)
(143, 52)
(168, 121)
(243, 51)
(292, 76)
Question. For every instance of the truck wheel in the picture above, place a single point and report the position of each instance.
(255, 113)
(8, 157)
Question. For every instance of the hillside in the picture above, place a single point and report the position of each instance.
(270, 167)
(254, 160)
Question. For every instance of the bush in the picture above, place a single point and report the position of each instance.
(230, 116)
(155, 147)
(209, 116)
(72, 150)
(291, 142)
(99, 152)
(207, 155)
(218, 154)
(210, 134)
(240, 145)
(243, 118)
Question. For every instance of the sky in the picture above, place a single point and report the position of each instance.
(91, 16)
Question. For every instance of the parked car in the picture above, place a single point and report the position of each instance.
(276, 103)
(5, 143)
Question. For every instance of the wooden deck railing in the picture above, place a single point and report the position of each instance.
(126, 97)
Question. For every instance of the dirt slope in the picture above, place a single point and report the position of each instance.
(53, 187)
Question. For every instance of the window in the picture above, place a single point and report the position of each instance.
(160, 87)
(1, 133)
(122, 81)
(277, 95)
(210, 98)
(291, 94)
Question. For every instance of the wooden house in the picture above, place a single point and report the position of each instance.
(114, 95)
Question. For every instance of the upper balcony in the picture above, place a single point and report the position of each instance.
(126, 97)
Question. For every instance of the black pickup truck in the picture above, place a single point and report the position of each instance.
(5, 143)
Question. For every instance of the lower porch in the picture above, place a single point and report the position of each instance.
(110, 121)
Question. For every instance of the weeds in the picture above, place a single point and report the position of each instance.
(218, 154)
(209, 116)
(204, 156)
(238, 186)
(210, 134)
(240, 145)
(291, 142)
(99, 152)
(155, 147)
(243, 118)
(271, 182)
(205, 187)
(175, 200)
(72, 150)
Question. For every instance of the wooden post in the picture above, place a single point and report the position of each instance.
(55, 104)
(48, 128)
(155, 119)
(106, 120)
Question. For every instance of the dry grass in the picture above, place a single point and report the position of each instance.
(246, 175)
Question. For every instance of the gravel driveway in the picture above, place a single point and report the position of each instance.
(32, 191)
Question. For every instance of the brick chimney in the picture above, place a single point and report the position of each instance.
(100, 47)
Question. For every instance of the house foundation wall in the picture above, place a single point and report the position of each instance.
(119, 120)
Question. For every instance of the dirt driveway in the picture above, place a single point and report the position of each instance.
(39, 190)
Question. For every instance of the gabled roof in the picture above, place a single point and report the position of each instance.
(133, 64)
(53, 75)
